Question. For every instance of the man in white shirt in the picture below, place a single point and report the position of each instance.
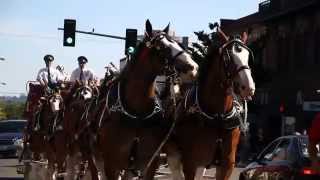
(49, 76)
(82, 73)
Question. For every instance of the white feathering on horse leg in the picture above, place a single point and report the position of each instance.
(175, 165)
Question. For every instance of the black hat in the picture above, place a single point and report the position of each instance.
(48, 57)
(82, 59)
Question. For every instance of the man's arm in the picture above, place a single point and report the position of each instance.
(73, 76)
(94, 78)
(41, 78)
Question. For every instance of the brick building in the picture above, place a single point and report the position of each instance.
(285, 36)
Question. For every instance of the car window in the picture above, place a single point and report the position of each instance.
(281, 151)
(12, 126)
(304, 147)
(267, 153)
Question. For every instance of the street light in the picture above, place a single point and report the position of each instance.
(2, 59)
(3, 83)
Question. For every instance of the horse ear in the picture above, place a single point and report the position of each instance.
(244, 37)
(148, 28)
(166, 29)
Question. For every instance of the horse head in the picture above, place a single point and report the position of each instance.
(55, 102)
(236, 56)
(83, 92)
(233, 55)
(167, 51)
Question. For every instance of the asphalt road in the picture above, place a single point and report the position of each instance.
(8, 172)
(8, 169)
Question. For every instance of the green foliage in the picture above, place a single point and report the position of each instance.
(11, 110)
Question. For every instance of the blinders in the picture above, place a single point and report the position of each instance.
(230, 66)
(163, 51)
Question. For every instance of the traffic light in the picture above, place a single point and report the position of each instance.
(69, 33)
(131, 39)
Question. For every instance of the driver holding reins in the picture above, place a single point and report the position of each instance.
(49, 77)
(83, 74)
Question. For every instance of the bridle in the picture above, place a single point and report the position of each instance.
(155, 42)
(230, 67)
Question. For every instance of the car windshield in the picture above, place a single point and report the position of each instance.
(304, 145)
(12, 126)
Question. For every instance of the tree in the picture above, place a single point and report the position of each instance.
(11, 109)
(14, 110)
(2, 112)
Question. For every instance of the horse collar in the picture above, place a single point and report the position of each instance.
(117, 106)
(195, 107)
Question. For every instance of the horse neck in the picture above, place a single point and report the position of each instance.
(138, 88)
(212, 90)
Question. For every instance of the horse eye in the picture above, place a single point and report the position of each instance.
(238, 48)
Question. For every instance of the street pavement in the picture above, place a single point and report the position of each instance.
(8, 172)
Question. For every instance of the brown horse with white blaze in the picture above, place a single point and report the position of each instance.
(132, 123)
(207, 121)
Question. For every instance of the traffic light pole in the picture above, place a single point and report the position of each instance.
(97, 34)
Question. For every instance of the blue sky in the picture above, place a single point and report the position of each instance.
(29, 30)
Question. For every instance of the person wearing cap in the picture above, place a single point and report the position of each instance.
(82, 73)
(49, 76)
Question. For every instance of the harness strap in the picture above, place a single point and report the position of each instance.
(196, 108)
(118, 107)
(177, 55)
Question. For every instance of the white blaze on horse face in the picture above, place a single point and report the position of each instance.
(241, 58)
(55, 104)
(184, 59)
(86, 94)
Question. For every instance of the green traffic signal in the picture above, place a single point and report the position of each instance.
(131, 50)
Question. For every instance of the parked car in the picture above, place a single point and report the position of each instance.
(10, 131)
(285, 158)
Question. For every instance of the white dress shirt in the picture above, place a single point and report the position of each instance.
(55, 76)
(87, 75)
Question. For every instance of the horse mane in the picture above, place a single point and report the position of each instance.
(131, 63)
(205, 64)
(69, 93)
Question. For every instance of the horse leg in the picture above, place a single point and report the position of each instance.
(111, 173)
(92, 167)
(174, 161)
(100, 167)
(230, 143)
(72, 164)
(152, 170)
(189, 169)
